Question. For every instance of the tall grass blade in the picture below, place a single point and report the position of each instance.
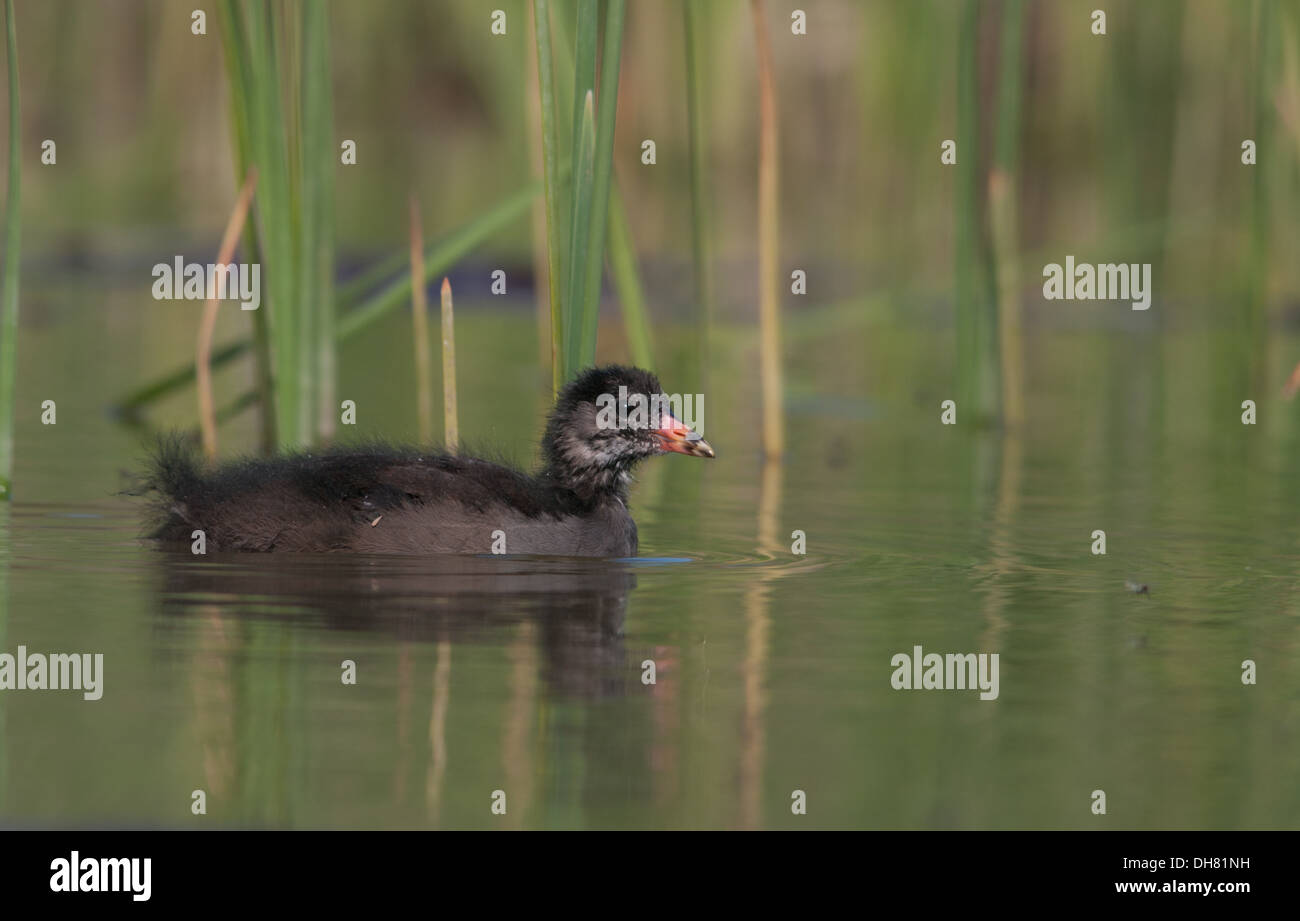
(316, 153)
(578, 80)
(769, 284)
(12, 254)
(237, 79)
(695, 13)
(1003, 215)
(627, 280)
(538, 249)
(420, 330)
(264, 108)
(450, 415)
(593, 263)
(551, 182)
(976, 320)
(581, 151)
(1260, 206)
(287, 55)
(203, 352)
(269, 48)
(583, 180)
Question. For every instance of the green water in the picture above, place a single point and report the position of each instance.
(223, 674)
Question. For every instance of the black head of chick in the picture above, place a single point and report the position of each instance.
(605, 421)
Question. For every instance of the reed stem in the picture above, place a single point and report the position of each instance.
(316, 254)
(203, 351)
(1004, 215)
(976, 307)
(580, 227)
(12, 255)
(450, 420)
(768, 241)
(551, 184)
(420, 330)
(593, 264)
(695, 13)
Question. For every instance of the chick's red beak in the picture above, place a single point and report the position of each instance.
(676, 436)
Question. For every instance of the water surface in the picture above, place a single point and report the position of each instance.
(772, 669)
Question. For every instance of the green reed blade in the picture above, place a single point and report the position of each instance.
(603, 155)
(12, 254)
(550, 172)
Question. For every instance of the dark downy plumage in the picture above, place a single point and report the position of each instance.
(382, 499)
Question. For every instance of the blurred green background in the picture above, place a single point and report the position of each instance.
(1131, 140)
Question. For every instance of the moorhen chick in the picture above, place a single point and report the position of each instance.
(382, 499)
